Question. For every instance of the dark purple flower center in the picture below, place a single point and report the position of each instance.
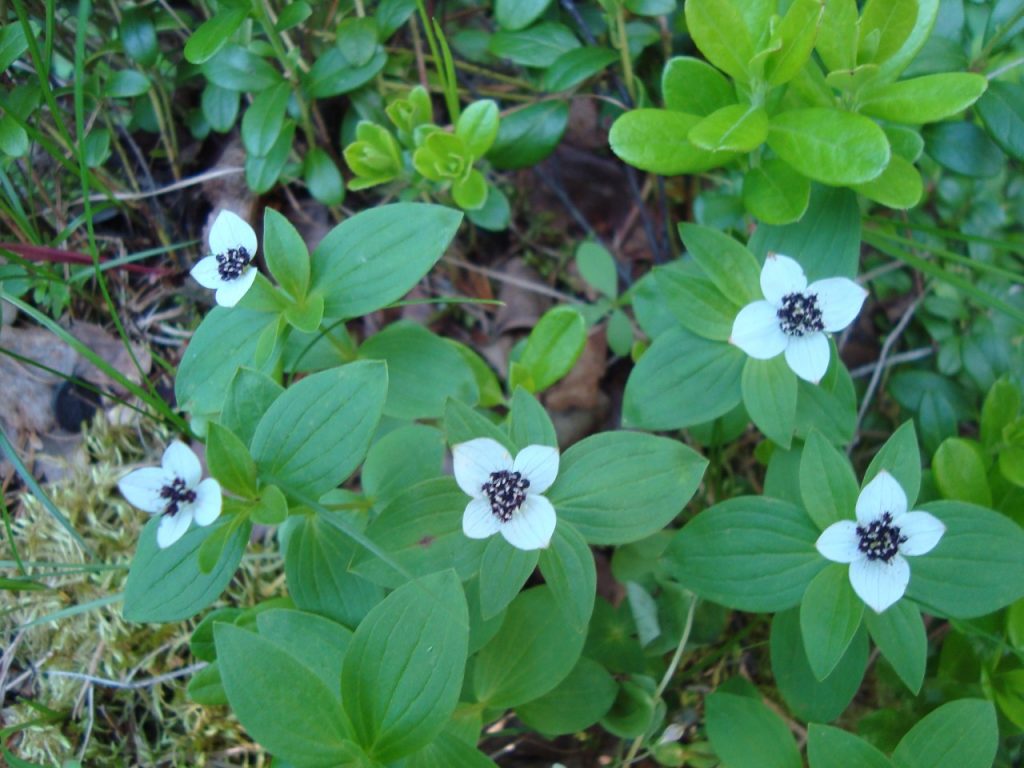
(800, 314)
(881, 539)
(233, 262)
(176, 494)
(506, 492)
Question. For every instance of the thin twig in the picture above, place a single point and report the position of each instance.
(909, 356)
(880, 366)
(147, 683)
(519, 282)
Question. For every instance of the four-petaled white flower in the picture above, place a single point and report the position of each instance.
(875, 545)
(506, 492)
(173, 491)
(230, 269)
(794, 317)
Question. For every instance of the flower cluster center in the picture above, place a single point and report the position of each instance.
(800, 314)
(506, 491)
(881, 539)
(176, 494)
(233, 262)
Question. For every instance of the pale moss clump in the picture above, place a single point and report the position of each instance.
(153, 725)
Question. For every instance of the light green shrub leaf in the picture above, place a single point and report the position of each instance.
(829, 145)
(775, 193)
(478, 126)
(750, 553)
(618, 487)
(719, 31)
(899, 185)
(959, 472)
(735, 128)
(885, 26)
(693, 86)
(926, 99)
(403, 670)
(656, 140)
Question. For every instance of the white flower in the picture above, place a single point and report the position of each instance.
(794, 316)
(506, 492)
(230, 269)
(875, 545)
(174, 492)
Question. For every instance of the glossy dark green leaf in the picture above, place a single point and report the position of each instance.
(574, 66)
(213, 34)
(965, 148)
(239, 69)
(333, 74)
(538, 46)
(1002, 111)
(517, 14)
(527, 136)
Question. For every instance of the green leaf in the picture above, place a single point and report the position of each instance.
(205, 687)
(529, 423)
(578, 702)
(829, 145)
(263, 121)
(322, 177)
(735, 128)
(316, 433)
(693, 86)
(830, 615)
(166, 585)
(271, 508)
(900, 636)
(220, 107)
(477, 126)
(462, 423)
(263, 171)
(538, 46)
(238, 69)
(597, 267)
(719, 31)
(292, 15)
(1001, 406)
(769, 394)
(403, 457)
(470, 192)
(656, 140)
(959, 734)
(796, 35)
(900, 457)
(333, 74)
(807, 697)
(126, 83)
(925, 99)
(356, 38)
(775, 193)
(286, 254)
(885, 25)
(1002, 111)
(494, 214)
(532, 653)
(682, 380)
(517, 14)
(374, 156)
(229, 461)
(826, 239)
(13, 138)
(976, 567)
(449, 750)
(529, 135)
(318, 642)
(504, 570)
(964, 148)
(376, 256)
(250, 393)
(749, 553)
(828, 486)
(619, 333)
(899, 186)
(421, 530)
(568, 568)
(552, 348)
(213, 34)
(829, 747)
(695, 301)
(403, 670)
(618, 487)
(573, 67)
(414, 355)
(959, 472)
(746, 734)
(303, 721)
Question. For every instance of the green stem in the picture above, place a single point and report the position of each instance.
(622, 41)
(305, 118)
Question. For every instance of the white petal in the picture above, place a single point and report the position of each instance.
(231, 231)
(173, 527)
(478, 522)
(475, 460)
(882, 494)
(206, 508)
(781, 275)
(879, 584)
(180, 461)
(839, 299)
(922, 530)
(808, 356)
(232, 291)
(142, 488)
(207, 274)
(531, 527)
(839, 542)
(539, 465)
(756, 331)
